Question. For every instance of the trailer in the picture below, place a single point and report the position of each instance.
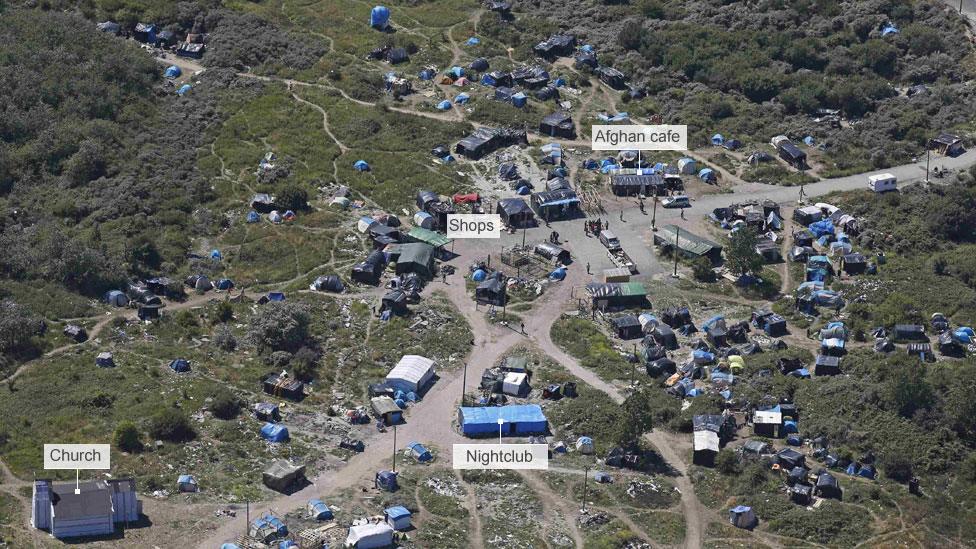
(882, 182)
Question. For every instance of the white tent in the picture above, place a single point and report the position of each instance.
(767, 417)
(584, 445)
(368, 536)
(686, 166)
(706, 440)
(365, 223)
(515, 384)
(412, 373)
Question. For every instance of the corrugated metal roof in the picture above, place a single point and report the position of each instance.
(686, 241)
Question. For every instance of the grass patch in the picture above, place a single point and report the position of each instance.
(582, 339)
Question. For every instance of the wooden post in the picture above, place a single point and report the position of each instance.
(677, 239)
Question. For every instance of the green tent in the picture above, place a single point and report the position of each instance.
(416, 258)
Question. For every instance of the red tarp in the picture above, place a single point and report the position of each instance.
(466, 198)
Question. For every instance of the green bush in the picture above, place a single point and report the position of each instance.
(171, 424)
(225, 404)
(127, 437)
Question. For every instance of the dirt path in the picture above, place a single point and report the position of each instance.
(475, 535)
(325, 122)
(553, 503)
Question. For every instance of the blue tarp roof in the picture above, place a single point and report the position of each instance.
(397, 512)
(274, 432)
(275, 522)
(528, 418)
(186, 479)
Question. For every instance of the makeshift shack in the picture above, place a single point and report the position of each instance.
(515, 213)
(617, 295)
(281, 475)
(386, 409)
(517, 420)
(413, 373)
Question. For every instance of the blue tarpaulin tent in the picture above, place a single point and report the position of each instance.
(318, 510)
(519, 99)
(479, 275)
(224, 284)
(420, 452)
(183, 89)
(253, 216)
(489, 80)
(717, 139)
(172, 72)
(387, 480)
(426, 74)
(274, 432)
(808, 140)
(523, 419)
(462, 98)
(444, 105)
(273, 522)
(361, 166)
(379, 17)
(456, 72)
(180, 365)
(473, 41)
(398, 517)
(889, 29)
(287, 544)
(702, 357)
(558, 274)
(590, 164)
(821, 228)
(276, 296)
(706, 174)
(215, 254)
(964, 334)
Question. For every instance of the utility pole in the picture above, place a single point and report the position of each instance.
(394, 447)
(654, 214)
(677, 239)
(928, 156)
(523, 234)
(632, 368)
(464, 382)
(247, 516)
(586, 474)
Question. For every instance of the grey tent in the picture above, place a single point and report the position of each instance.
(330, 283)
(416, 258)
(828, 487)
(515, 212)
(552, 252)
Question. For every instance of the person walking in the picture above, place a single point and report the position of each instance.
(621, 215)
(587, 268)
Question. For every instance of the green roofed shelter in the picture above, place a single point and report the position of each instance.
(427, 236)
(416, 258)
(617, 295)
(690, 244)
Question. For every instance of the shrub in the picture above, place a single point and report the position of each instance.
(701, 268)
(223, 312)
(726, 462)
(304, 363)
(127, 437)
(225, 404)
(224, 338)
(279, 327)
(172, 425)
(292, 197)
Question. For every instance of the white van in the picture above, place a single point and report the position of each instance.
(882, 182)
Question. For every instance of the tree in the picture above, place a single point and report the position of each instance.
(17, 326)
(741, 256)
(304, 363)
(172, 425)
(637, 420)
(292, 197)
(225, 404)
(630, 35)
(908, 391)
(127, 437)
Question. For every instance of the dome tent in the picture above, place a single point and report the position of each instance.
(361, 166)
(172, 72)
(444, 105)
(273, 432)
(180, 365)
(379, 17)
(253, 216)
(479, 275)
(184, 89)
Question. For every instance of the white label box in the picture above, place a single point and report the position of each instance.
(77, 456)
(474, 226)
(501, 456)
(640, 137)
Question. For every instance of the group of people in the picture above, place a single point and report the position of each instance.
(594, 227)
